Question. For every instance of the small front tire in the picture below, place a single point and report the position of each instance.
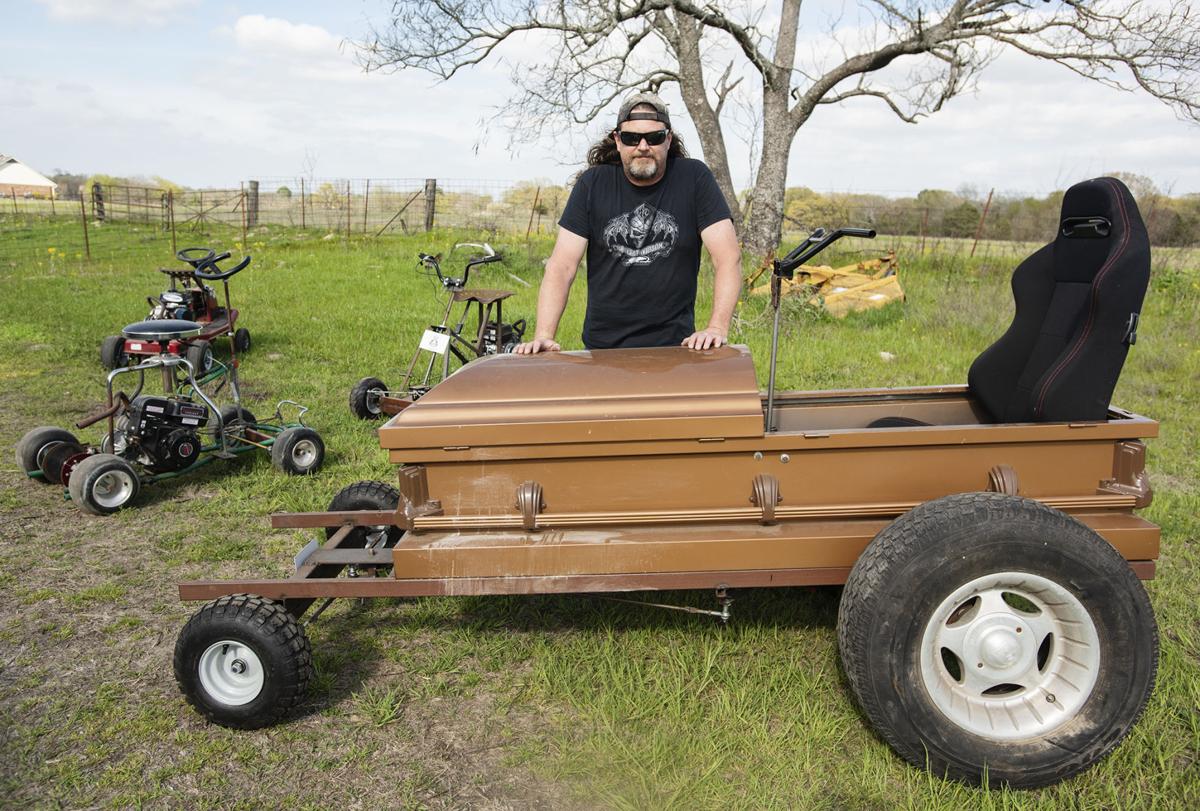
(364, 398)
(298, 451)
(367, 495)
(103, 483)
(200, 355)
(241, 340)
(243, 661)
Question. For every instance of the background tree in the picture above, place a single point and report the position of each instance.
(573, 59)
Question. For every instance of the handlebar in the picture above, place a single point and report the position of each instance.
(449, 282)
(816, 242)
(185, 255)
(210, 272)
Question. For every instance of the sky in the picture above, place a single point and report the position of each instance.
(207, 94)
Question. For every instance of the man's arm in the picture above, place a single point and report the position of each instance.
(721, 242)
(556, 286)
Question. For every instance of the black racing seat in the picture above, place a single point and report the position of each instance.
(1078, 301)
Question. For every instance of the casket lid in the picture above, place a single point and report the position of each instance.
(614, 395)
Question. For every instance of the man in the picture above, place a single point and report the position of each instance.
(641, 212)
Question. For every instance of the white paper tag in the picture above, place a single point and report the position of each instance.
(435, 342)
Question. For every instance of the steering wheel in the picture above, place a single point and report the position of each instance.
(211, 273)
(196, 256)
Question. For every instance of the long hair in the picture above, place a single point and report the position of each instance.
(605, 150)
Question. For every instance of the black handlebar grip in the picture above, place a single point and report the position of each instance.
(865, 233)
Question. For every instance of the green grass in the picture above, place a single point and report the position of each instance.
(457, 702)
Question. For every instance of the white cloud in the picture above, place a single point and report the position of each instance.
(256, 32)
(125, 12)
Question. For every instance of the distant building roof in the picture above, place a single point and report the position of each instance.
(15, 173)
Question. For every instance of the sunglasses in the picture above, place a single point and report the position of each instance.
(655, 138)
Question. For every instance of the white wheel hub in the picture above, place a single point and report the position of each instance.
(112, 489)
(304, 453)
(1010, 655)
(231, 672)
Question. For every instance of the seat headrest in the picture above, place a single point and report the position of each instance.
(1098, 218)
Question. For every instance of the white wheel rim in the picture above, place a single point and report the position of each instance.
(231, 673)
(112, 488)
(372, 400)
(1007, 672)
(304, 454)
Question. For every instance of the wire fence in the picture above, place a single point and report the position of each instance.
(106, 222)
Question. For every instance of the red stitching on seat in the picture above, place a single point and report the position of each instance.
(1087, 328)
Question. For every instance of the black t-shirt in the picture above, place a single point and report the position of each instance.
(643, 253)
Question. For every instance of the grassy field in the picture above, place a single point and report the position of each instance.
(551, 702)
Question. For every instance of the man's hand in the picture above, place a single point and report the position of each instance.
(537, 345)
(707, 338)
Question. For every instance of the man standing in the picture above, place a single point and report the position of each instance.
(641, 211)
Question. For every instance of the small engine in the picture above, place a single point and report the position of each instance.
(163, 431)
(504, 339)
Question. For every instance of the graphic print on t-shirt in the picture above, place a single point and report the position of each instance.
(642, 235)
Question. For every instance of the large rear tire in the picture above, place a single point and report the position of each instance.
(112, 352)
(990, 638)
(103, 483)
(36, 442)
(243, 661)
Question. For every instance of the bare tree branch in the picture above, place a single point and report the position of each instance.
(572, 60)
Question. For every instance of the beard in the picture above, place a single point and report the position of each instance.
(642, 167)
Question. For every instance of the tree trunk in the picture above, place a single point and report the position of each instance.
(686, 42)
(764, 218)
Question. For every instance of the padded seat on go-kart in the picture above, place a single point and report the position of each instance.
(1078, 302)
(167, 329)
(1077, 305)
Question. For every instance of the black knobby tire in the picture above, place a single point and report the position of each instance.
(364, 398)
(112, 352)
(55, 456)
(103, 483)
(920, 564)
(34, 444)
(367, 495)
(241, 622)
(200, 355)
(241, 339)
(298, 451)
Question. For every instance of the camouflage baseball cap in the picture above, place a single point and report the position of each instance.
(660, 109)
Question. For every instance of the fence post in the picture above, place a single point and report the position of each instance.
(14, 196)
(87, 247)
(979, 229)
(98, 202)
(53, 213)
(301, 204)
(243, 207)
(924, 227)
(171, 218)
(430, 202)
(348, 212)
(366, 199)
(532, 209)
(252, 204)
